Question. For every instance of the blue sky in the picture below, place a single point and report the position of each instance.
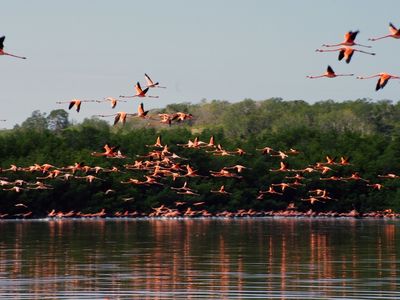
(226, 50)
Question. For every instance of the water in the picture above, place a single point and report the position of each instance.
(264, 258)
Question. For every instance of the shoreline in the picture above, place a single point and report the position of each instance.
(387, 214)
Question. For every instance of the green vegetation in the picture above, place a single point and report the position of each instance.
(367, 132)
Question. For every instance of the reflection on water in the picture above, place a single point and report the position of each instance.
(199, 259)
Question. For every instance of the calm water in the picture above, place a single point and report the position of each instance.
(200, 259)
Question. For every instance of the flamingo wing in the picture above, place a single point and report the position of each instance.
(353, 35)
(2, 42)
(329, 70)
(393, 29)
(140, 109)
(138, 88)
(348, 58)
(117, 117)
(341, 54)
(382, 82)
(144, 91)
(71, 104)
(148, 79)
(113, 102)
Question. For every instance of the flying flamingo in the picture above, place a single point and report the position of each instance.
(112, 101)
(157, 144)
(119, 117)
(382, 81)
(221, 191)
(329, 74)
(345, 52)
(5, 53)
(139, 92)
(151, 84)
(109, 151)
(349, 38)
(394, 33)
(75, 102)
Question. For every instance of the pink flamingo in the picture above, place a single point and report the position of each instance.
(5, 53)
(75, 102)
(382, 81)
(139, 92)
(349, 38)
(329, 74)
(394, 33)
(345, 52)
(151, 84)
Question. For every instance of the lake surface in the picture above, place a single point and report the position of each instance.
(260, 258)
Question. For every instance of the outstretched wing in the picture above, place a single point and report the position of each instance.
(116, 119)
(138, 88)
(393, 29)
(2, 42)
(148, 79)
(71, 104)
(348, 59)
(341, 54)
(353, 35)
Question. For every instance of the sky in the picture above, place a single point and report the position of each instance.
(210, 49)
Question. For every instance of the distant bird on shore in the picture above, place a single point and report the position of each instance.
(329, 74)
(349, 38)
(382, 81)
(394, 33)
(6, 53)
(345, 52)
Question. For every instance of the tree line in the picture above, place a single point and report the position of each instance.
(365, 131)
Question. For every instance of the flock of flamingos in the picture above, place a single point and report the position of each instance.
(160, 163)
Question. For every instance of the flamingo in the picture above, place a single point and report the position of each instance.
(151, 84)
(345, 52)
(75, 102)
(89, 178)
(165, 119)
(329, 74)
(157, 144)
(5, 53)
(221, 191)
(349, 38)
(112, 101)
(141, 113)
(239, 168)
(376, 186)
(312, 200)
(139, 92)
(186, 192)
(181, 116)
(389, 175)
(270, 190)
(382, 81)
(266, 150)
(282, 185)
(394, 33)
(283, 168)
(109, 151)
(119, 117)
